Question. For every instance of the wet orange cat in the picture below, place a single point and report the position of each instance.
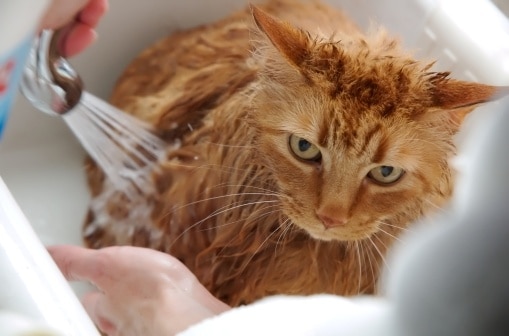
(306, 149)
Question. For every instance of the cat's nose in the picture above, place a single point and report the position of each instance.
(331, 221)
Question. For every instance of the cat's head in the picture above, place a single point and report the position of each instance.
(357, 134)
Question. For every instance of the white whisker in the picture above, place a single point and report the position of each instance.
(360, 267)
(369, 254)
(394, 226)
(381, 241)
(379, 253)
(220, 168)
(218, 197)
(260, 246)
(389, 234)
(439, 208)
(217, 213)
(287, 228)
(273, 192)
(229, 146)
(265, 214)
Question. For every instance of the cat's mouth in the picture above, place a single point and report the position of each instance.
(348, 232)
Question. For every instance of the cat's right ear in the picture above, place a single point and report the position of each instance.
(293, 43)
(460, 97)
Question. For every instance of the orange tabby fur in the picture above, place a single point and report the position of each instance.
(233, 203)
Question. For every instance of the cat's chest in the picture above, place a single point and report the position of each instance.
(301, 267)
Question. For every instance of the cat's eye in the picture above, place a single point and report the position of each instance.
(303, 149)
(386, 174)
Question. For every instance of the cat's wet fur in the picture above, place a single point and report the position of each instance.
(304, 152)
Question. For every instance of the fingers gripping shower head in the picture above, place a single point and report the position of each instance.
(49, 82)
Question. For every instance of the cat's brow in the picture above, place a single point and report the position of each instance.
(353, 137)
(381, 150)
(327, 128)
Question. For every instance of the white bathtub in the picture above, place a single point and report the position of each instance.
(41, 162)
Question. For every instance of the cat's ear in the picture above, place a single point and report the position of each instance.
(461, 97)
(291, 42)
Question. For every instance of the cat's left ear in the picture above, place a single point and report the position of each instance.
(461, 97)
(293, 43)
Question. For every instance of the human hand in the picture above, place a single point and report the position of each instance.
(140, 291)
(79, 17)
